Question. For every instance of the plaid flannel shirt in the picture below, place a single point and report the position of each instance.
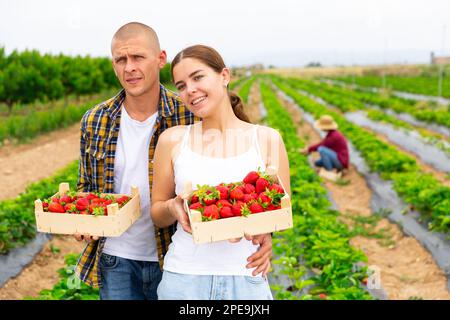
(99, 133)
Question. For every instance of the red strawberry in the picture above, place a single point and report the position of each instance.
(322, 296)
(56, 207)
(82, 204)
(223, 192)
(196, 206)
(249, 188)
(65, 199)
(223, 203)
(123, 200)
(271, 207)
(91, 196)
(194, 199)
(264, 198)
(98, 200)
(208, 195)
(211, 212)
(237, 194)
(70, 207)
(261, 185)
(276, 187)
(84, 212)
(45, 205)
(251, 177)
(250, 197)
(255, 207)
(55, 200)
(237, 208)
(226, 212)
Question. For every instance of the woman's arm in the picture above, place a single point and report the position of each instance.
(166, 206)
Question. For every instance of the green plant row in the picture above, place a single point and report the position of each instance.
(17, 219)
(425, 85)
(317, 236)
(421, 190)
(346, 101)
(69, 287)
(244, 91)
(421, 110)
(34, 123)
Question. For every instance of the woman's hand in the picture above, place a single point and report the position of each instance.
(176, 209)
(261, 258)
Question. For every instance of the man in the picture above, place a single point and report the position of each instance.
(118, 139)
(333, 148)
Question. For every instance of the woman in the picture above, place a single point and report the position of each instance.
(223, 147)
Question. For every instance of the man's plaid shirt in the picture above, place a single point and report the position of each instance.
(99, 134)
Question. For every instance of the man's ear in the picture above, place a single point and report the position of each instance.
(162, 59)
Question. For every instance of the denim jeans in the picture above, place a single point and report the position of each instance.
(328, 159)
(176, 286)
(125, 279)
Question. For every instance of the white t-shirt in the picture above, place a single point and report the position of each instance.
(131, 168)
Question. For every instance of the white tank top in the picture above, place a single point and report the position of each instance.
(217, 258)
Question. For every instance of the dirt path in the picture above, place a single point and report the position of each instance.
(407, 269)
(252, 107)
(42, 272)
(21, 165)
(442, 177)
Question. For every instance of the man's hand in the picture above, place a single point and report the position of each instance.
(261, 258)
(87, 237)
(303, 151)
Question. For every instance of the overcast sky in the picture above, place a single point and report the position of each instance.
(277, 32)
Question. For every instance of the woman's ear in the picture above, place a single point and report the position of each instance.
(226, 77)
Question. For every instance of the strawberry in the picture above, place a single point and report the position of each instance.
(84, 212)
(211, 212)
(82, 204)
(94, 206)
(223, 203)
(70, 207)
(196, 206)
(65, 199)
(237, 208)
(91, 196)
(223, 191)
(274, 196)
(251, 177)
(226, 212)
(56, 207)
(263, 198)
(207, 195)
(55, 200)
(45, 205)
(271, 207)
(237, 194)
(123, 200)
(261, 185)
(98, 200)
(249, 188)
(322, 296)
(194, 198)
(255, 207)
(276, 187)
(250, 197)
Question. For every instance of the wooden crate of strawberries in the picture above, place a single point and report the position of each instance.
(256, 205)
(105, 215)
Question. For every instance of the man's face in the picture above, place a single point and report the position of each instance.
(137, 64)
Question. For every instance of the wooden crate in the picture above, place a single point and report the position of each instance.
(113, 225)
(235, 227)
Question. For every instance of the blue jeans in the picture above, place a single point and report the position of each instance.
(328, 159)
(125, 279)
(176, 286)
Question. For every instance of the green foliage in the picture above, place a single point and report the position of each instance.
(17, 219)
(317, 236)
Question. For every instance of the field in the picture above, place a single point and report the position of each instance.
(381, 231)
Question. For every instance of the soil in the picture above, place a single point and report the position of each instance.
(23, 164)
(252, 107)
(407, 269)
(42, 272)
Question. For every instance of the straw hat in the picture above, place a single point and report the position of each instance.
(326, 122)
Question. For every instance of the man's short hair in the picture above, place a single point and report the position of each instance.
(133, 29)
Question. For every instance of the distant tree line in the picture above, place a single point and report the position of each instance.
(29, 76)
